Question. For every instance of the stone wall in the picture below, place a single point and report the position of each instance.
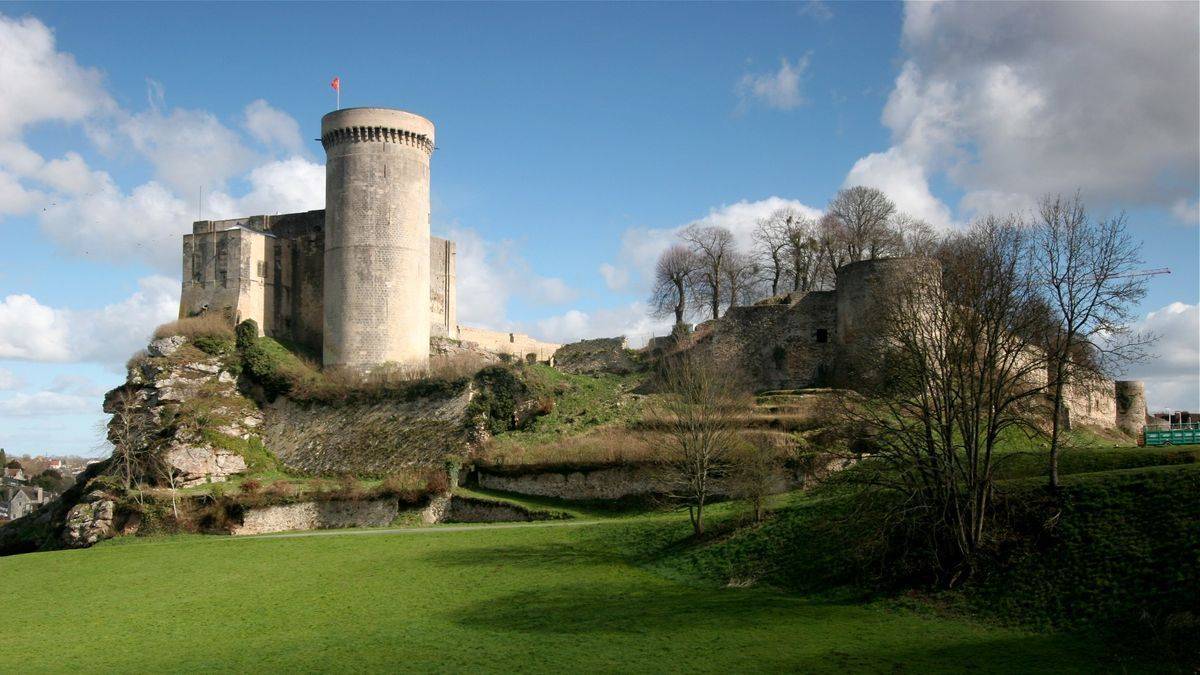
(598, 355)
(517, 345)
(468, 510)
(442, 295)
(603, 483)
(317, 516)
(784, 342)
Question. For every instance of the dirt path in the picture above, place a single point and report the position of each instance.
(421, 530)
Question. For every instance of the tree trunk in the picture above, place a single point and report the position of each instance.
(679, 306)
(1055, 429)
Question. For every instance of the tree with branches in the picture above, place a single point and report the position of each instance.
(864, 214)
(1087, 269)
(958, 368)
(771, 245)
(803, 254)
(672, 280)
(700, 412)
(713, 247)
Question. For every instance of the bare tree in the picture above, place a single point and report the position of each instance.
(672, 277)
(831, 249)
(1088, 271)
(959, 366)
(700, 412)
(712, 246)
(913, 236)
(771, 245)
(803, 254)
(129, 435)
(740, 276)
(755, 472)
(865, 215)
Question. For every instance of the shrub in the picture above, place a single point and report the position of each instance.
(139, 357)
(500, 391)
(246, 333)
(208, 325)
(280, 491)
(251, 486)
(214, 345)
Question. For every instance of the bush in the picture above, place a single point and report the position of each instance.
(281, 491)
(208, 325)
(251, 486)
(500, 392)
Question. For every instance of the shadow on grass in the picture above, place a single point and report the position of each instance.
(533, 555)
(759, 630)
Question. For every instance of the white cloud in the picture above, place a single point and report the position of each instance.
(779, 89)
(1022, 100)
(273, 127)
(491, 273)
(632, 320)
(10, 380)
(1172, 375)
(904, 181)
(615, 278)
(71, 175)
(47, 403)
(285, 186)
(31, 331)
(1186, 212)
(107, 224)
(817, 10)
(641, 246)
(39, 83)
(15, 198)
(188, 148)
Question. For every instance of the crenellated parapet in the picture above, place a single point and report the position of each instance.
(376, 135)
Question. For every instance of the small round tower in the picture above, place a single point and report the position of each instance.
(1131, 406)
(376, 238)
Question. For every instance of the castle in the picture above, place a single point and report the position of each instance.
(813, 339)
(361, 282)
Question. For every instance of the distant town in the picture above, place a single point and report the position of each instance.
(31, 481)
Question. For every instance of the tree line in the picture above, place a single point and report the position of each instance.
(705, 272)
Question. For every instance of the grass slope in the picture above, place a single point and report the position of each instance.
(532, 599)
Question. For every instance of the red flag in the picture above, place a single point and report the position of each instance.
(336, 84)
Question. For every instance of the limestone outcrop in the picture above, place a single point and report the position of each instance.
(185, 405)
(90, 521)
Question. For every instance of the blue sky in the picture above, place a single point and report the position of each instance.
(573, 140)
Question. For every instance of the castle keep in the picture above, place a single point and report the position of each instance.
(361, 282)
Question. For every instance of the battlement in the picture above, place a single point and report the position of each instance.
(376, 125)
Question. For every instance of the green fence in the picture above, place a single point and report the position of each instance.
(1178, 434)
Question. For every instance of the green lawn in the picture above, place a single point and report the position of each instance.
(541, 598)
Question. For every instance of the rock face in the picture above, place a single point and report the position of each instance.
(370, 437)
(171, 398)
(89, 521)
(317, 516)
(601, 355)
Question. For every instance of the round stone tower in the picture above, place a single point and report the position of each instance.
(376, 238)
(1131, 406)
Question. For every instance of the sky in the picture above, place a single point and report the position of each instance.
(574, 140)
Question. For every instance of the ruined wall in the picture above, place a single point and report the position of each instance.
(1091, 403)
(782, 343)
(518, 345)
(1131, 406)
(317, 516)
